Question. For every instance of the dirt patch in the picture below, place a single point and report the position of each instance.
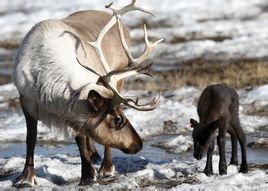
(259, 166)
(254, 109)
(169, 126)
(167, 183)
(200, 73)
(259, 143)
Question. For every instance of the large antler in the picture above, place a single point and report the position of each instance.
(115, 76)
(136, 65)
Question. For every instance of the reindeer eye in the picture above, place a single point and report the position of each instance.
(118, 120)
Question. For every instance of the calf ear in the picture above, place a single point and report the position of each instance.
(194, 123)
(214, 125)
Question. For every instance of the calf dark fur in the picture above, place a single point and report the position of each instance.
(218, 109)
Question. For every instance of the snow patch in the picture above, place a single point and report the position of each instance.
(178, 144)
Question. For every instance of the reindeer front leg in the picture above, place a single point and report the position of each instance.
(209, 169)
(27, 178)
(107, 168)
(95, 157)
(87, 170)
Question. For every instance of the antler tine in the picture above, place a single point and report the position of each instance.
(149, 47)
(129, 71)
(144, 107)
(97, 43)
(118, 99)
(84, 66)
(128, 8)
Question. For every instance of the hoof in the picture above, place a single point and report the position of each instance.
(27, 178)
(223, 169)
(243, 168)
(87, 181)
(106, 171)
(23, 183)
(208, 172)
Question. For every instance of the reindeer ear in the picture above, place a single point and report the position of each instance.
(194, 123)
(214, 125)
(94, 99)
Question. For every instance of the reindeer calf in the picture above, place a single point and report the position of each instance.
(218, 109)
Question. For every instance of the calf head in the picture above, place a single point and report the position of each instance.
(202, 136)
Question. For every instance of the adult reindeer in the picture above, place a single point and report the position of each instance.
(69, 74)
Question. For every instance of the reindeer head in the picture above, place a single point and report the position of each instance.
(112, 128)
(202, 136)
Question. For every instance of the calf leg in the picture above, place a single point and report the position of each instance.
(243, 144)
(221, 145)
(27, 178)
(87, 170)
(234, 160)
(107, 168)
(209, 169)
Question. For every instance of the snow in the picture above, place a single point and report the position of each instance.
(57, 170)
(258, 94)
(178, 144)
(7, 87)
(13, 128)
(151, 123)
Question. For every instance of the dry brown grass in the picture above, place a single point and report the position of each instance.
(5, 79)
(201, 73)
(9, 43)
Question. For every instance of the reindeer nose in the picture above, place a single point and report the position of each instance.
(137, 148)
(133, 149)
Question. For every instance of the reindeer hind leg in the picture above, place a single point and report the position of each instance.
(27, 178)
(243, 145)
(234, 159)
